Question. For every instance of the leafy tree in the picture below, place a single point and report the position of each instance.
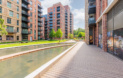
(52, 34)
(70, 36)
(59, 34)
(2, 27)
(76, 32)
(81, 34)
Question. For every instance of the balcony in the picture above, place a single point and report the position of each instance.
(92, 9)
(50, 16)
(25, 7)
(25, 20)
(39, 29)
(25, 26)
(39, 6)
(50, 19)
(39, 25)
(39, 20)
(25, 1)
(51, 25)
(39, 15)
(39, 11)
(25, 13)
(91, 21)
(11, 31)
(50, 22)
(51, 13)
(25, 32)
(91, 0)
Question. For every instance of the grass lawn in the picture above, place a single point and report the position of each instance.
(30, 43)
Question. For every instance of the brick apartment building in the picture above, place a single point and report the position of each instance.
(45, 25)
(59, 16)
(105, 28)
(23, 19)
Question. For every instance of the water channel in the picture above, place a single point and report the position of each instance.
(21, 66)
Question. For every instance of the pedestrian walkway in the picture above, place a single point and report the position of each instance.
(86, 61)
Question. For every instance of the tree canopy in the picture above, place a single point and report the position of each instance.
(2, 27)
(81, 34)
(59, 33)
(52, 34)
(70, 36)
(76, 32)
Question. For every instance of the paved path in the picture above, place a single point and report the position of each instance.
(86, 61)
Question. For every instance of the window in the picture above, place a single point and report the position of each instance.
(17, 37)
(9, 20)
(17, 1)
(31, 14)
(17, 8)
(31, 25)
(0, 37)
(30, 8)
(31, 31)
(35, 34)
(11, 13)
(0, 9)
(17, 22)
(9, 4)
(9, 38)
(0, 1)
(54, 9)
(17, 29)
(18, 16)
(30, 2)
(30, 19)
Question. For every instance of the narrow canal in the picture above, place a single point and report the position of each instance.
(26, 48)
(21, 66)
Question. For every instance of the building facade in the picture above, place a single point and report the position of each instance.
(60, 17)
(22, 18)
(10, 11)
(109, 26)
(46, 27)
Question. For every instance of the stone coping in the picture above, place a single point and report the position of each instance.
(41, 70)
(33, 45)
(2, 58)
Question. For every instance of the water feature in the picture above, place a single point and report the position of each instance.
(26, 48)
(21, 66)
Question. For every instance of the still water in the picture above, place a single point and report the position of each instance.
(26, 48)
(21, 66)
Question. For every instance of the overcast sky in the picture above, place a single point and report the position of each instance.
(77, 8)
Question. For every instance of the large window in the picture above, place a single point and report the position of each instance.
(11, 13)
(9, 37)
(0, 9)
(10, 29)
(17, 29)
(9, 20)
(17, 8)
(17, 22)
(0, 1)
(9, 4)
(17, 1)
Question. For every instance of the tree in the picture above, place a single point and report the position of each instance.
(76, 32)
(2, 27)
(59, 34)
(52, 34)
(80, 34)
(70, 36)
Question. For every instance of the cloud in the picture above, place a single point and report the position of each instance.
(48, 3)
(79, 14)
(79, 17)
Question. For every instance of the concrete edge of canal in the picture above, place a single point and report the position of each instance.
(2, 58)
(41, 70)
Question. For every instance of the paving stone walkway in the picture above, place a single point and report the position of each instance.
(86, 61)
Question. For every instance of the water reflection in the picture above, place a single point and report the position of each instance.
(21, 66)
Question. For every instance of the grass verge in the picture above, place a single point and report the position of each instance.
(30, 43)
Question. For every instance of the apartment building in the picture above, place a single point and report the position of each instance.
(56, 18)
(46, 27)
(23, 20)
(108, 32)
(10, 11)
(60, 16)
(31, 20)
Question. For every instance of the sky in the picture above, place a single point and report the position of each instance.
(76, 6)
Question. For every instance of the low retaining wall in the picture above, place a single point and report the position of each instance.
(2, 58)
(41, 70)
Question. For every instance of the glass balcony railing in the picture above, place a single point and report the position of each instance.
(91, 9)
(91, 21)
